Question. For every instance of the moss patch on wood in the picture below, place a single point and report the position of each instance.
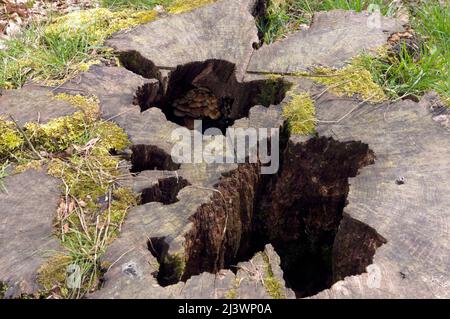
(10, 139)
(77, 149)
(57, 50)
(181, 6)
(350, 81)
(300, 114)
(273, 286)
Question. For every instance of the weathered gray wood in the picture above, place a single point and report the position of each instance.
(31, 104)
(210, 218)
(224, 30)
(333, 39)
(413, 217)
(27, 212)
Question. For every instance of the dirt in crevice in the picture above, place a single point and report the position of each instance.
(299, 211)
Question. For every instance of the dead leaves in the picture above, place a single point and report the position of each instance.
(15, 14)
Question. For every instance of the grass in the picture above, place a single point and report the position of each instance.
(408, 72)
(285, 16)
(400, 72)
(57, 49)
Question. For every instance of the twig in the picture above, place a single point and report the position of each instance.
(348, 113)
(120, 257)
(119, 114)
(54, 88)
(26, 138)
(329, 88)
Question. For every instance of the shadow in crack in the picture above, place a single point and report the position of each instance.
(299, 211)
(208, 91)
(165, 191)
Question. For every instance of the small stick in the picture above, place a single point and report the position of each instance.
(329, 88)
(348, 113)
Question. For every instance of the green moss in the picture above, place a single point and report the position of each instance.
(98, 23)
(58, 134)
(273, 89)
(3, 173)
(352, 80)
(3, 290)
(10, 139)
(271, 283)
(77, 150)
(232, 293)
(52, 274)
(300, 114)
(88, 104)
(181, 6)
(122, 200)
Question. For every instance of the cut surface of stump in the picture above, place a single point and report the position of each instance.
(27, 210)
(224, 30)
(332, 40)
(33, 104)
(357, 210)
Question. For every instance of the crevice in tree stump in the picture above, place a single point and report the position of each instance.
(150, 157)
(165, 191)
(207, 91)
(299, 211)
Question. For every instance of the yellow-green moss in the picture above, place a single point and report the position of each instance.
(351, 80)
(93, 170)
(3, 289)
(300, 114)
(122, 200)
(77, 150)
(90, 105)
(10, 138)
(176, 262)
(446, 100)
(232, 293)
(58, 134)
(52, 274)
(26, 164)
(98, 23)
(271, 283)
(180, 6)
(272, 90)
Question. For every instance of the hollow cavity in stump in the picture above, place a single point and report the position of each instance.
(207, 91)
(165, 191)
(299, 211)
